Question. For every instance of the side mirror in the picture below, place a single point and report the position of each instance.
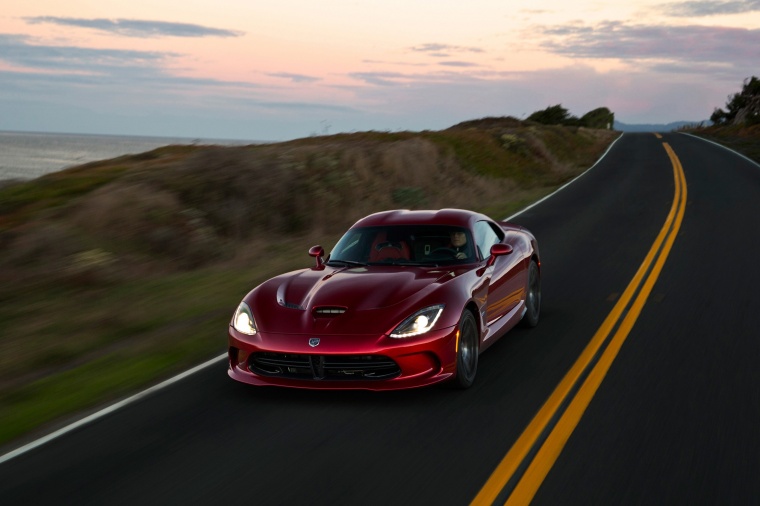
(498, 250)
(317, 252)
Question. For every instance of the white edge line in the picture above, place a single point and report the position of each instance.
(109, 409)
(129, 400)
(534, 204)
(722, 146)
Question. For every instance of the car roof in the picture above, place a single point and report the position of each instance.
(451, 217)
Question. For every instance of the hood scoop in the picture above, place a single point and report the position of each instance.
(289, 305)
(282, 299)
(348, 290)
(328, 311)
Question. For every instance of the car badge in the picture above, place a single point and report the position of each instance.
(314, 341)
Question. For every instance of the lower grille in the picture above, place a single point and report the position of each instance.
(323, 367)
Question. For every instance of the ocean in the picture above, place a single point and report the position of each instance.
(27, 155)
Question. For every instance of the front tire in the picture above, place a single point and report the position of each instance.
(467, 351)
(533, 296)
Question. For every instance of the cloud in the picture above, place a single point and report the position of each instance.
(699, 8)
(151, 103)
(18, 50)
(693, 44)
(716, 71)
(443, 50)
(401, 63)
(101, 67)
(75, 89)
(458, 64)
(303, 106)
(380, 78)
(137, 27)
(402, 80)
(296, 78)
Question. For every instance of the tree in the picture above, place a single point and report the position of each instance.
(741, 108)
(600, 117)
(553, 115)
(718, 116)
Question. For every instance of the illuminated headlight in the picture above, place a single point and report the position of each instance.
(243, 320)
(419, 323)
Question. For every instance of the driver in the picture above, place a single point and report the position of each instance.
(459, 244)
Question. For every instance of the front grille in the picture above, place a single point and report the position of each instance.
(323, 367)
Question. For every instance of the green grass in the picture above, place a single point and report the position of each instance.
(80, 388)
(98, 344)
(475, 150)
(23, 201)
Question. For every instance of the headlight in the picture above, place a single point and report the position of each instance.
(243, 320)
(419, 323)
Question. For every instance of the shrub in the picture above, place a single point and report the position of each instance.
(742, 108)
(409, 197)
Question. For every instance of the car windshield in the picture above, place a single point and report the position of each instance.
(404, 245)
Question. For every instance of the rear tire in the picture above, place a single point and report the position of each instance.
(532, 297)
(467, 351)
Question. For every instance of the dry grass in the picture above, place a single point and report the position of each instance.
(744, 139)
(184, 207)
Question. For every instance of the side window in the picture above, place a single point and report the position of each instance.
(485, 237)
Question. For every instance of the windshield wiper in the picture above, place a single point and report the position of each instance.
(350, 263)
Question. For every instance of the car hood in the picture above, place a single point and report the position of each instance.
(356, 300)
(358, 288)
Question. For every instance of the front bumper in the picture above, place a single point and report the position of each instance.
(342, 362)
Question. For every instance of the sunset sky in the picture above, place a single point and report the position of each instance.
(247, 69)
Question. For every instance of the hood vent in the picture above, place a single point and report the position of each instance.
(289, 305)
(328, 311)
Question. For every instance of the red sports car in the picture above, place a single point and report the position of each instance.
(404, 299)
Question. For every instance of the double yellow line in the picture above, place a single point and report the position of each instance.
(521, 472)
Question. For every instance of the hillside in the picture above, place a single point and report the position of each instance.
(116, 273)
(738, 126)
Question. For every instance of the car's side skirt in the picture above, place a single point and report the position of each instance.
(502, 324)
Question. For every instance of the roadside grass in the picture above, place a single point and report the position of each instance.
(745, 140)
(519, 201)
(117, 274)
(77, 389)
(99, 344)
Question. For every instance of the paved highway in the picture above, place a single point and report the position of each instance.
(672, 418)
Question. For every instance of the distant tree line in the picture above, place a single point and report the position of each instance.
(558, 115)
(742, 108)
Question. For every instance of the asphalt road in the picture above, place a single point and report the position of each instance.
(675, 420)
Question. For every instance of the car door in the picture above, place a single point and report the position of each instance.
(505, 287)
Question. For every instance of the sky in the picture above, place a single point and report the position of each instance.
(266, 70)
